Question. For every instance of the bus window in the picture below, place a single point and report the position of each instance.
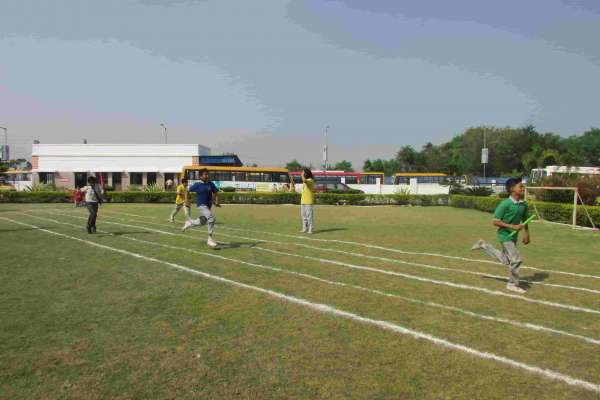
(268, 177)
(193, 175)
(281, 178)
(402, 180)
(239, 176)
(369, 179)
(253, 177)
(328, 178)
(222, 176)
(353, 180)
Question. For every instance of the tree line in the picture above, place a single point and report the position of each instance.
(512, 151)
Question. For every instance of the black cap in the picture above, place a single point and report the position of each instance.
(510, 182)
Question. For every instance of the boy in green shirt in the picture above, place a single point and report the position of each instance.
(508, 217)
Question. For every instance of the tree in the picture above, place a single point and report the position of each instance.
(539, 157)
(407, 158)
(344, 165)
(512, 151)
(589, 146)
(294, 166)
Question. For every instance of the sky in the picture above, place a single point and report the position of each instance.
(264, 78)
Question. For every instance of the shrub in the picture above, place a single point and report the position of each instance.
(478, 191)
(37, 197)
(334, 198)
(233, 198)
(259, 197)
(228, 189)
(153, 188)
(488, 204)
(588, 187)
(139, 197)
(402, 196)
(41, 187)
(554, 212)
(456, 187)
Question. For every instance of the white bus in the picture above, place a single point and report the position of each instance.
(538, 174)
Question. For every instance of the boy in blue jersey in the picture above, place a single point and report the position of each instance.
(205, 191)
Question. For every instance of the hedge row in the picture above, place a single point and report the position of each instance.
(555, 212)
(237, 198)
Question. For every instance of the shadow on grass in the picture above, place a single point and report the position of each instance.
(329, 230)
(235, 245)
(25, 229)
(124, 233)
(537, 277)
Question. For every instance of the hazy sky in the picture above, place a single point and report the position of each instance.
(263, 78)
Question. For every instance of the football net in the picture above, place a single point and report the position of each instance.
(561, 205)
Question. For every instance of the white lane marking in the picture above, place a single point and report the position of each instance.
(392, 260)
(403, 275)
(367, 245)
(330, 310)
(519, 324)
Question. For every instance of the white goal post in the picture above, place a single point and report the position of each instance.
(576, 199)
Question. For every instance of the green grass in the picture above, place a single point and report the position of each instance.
(80, 321)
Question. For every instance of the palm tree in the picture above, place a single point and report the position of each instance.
(538, 157)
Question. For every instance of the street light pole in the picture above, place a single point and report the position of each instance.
(5, 142)
(485, 147)
(164, 131)
(325, 149)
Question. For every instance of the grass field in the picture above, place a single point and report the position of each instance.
(380, 303)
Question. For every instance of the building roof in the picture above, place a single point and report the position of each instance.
(163, 158)
(118, 150)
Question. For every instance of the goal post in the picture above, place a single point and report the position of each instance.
(557, 195)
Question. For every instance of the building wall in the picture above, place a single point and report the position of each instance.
(123, 158)
(115, 158)
(64, 179)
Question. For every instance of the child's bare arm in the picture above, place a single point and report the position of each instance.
(526, 238)
(501, 224)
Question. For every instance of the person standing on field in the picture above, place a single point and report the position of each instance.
(307, 201)
(508, 217)
(180, 201)
(93, 198)
(205, 191)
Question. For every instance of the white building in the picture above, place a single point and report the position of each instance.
(121, 166)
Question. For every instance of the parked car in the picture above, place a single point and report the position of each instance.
(334, 187)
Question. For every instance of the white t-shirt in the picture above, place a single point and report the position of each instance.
(90, 196)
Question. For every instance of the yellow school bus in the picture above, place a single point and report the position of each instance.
(403, 178)
(241, 178)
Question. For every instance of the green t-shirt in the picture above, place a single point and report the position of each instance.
(510, 212)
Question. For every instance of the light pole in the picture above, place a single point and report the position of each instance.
(484, 154)
(164, 131)
(325, 149)
(5, 143)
